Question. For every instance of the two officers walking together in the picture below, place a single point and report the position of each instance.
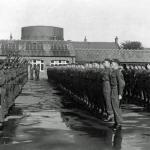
(113, 85)
(35, 72)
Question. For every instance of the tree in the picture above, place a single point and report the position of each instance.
(131, 45)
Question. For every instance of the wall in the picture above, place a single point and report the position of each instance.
(90, 55)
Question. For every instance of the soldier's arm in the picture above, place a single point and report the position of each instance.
(121, 82)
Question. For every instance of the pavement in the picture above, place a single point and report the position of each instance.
(46, 119)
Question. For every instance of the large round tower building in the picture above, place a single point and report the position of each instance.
(42, 33)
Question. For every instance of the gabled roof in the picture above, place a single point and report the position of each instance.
(37, 48)
(146, 48)
(95, 45)
(93, 55)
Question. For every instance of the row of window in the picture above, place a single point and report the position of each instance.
(58, 62)
(35, 62)
(32, 46)
(39, 46)
(10, 46)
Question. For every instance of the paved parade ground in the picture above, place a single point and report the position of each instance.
(45, 119)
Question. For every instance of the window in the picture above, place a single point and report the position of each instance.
(66, 47)
(27, 46)
(40, 46)
(56, 62)
(55, 47)
(62, 47)
(52, 47)
(34, 46)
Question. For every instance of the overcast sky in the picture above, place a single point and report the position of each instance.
(99, 20)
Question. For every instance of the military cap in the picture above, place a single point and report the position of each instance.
(116, 61)
(106, 59)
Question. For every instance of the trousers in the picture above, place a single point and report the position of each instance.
(107, 97)
(115, 106)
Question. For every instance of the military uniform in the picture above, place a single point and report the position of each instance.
(117, 85)
(31, 73)
(107, 90)
(37, 72)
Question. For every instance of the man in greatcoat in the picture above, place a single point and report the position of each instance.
(107, 89)
(117, 85)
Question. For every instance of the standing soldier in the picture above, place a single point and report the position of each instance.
(37, 72)
(31, 72)
(107, 89)
(117, 85)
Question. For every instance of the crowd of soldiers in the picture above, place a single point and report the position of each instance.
(13, 75)
(104, 86)
(100, 87)
(137, 89)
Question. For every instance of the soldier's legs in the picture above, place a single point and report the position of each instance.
(31, 76)
(38, 75)
(115, 106)
(108, 103)
(107, 98)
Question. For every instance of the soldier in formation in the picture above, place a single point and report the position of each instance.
(107, 88)
(99, 86)
(137, 80)
(14, 74)
(117, 85)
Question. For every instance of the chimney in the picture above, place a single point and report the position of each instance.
(85, 39)
(116, 40)
(11, 37)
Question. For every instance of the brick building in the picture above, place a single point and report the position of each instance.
(45, 45)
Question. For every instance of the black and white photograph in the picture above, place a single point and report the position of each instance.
(74, 75)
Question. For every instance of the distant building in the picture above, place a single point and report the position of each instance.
(45, 45)
(44, 33)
